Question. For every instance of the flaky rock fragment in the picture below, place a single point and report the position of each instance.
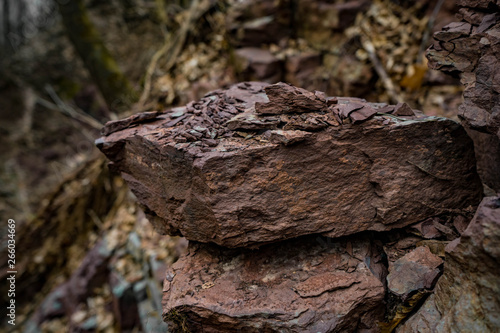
(427, 228)
(288, 137)
(225, 175)
(467, 296)
(357, 112)
(310, 284)
(284, 98)
(250, 121)
(403, 109)
(417, 270)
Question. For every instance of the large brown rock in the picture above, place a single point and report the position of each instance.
(319, 165)
(467, 296)
(311, 284)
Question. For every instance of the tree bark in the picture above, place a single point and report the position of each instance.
(102, 67)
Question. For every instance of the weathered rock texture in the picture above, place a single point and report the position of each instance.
(256, 164)
(418, 270)
(466, 297)
(471, 48)
(311, 284)
(487, 150)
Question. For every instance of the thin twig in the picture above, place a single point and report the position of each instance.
(427, 32)
(60, 106)
(151, 67)
(174, 42)
(379, 68)
(98, 222)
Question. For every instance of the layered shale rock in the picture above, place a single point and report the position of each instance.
(471, 48)
(261, 163)
(311, 284)
(466, 296)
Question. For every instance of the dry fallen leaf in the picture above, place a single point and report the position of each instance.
(207, 285)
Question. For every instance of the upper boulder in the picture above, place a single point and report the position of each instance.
(260, 163)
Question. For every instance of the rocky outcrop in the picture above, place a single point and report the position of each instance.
(471, 48)
(230, 169)
(281, 192)
(466, 296)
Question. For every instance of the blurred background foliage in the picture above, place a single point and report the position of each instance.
(87, 258)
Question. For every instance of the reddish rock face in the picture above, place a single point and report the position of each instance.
(311, 284)
(244, 167)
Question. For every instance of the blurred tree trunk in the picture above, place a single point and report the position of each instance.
(103, 69)
(6, 21)
(128, 4)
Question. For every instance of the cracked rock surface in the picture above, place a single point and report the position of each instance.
(245, 166)
(310, 284)
(471, 48)
(247, 186)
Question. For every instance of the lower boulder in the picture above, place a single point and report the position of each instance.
(310, 284)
